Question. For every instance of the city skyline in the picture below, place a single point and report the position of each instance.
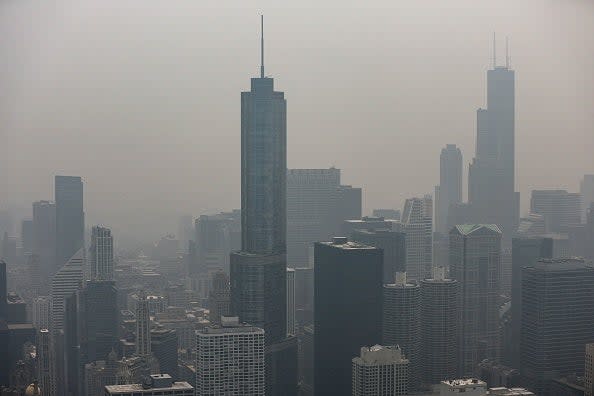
(460, 91)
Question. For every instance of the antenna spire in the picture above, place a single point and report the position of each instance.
(262, 46)
(507, 58)
(494, 51)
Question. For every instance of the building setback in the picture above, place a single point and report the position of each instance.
(347, 310)
(380, 370)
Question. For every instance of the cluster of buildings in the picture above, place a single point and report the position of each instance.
(298, 293)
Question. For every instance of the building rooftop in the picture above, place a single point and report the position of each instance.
(466, 229)
(379, 354)
(344, 243)
(464, 383)
(230, 324)
(156, 382)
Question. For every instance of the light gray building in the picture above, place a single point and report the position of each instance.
(559, 208)
(154, 385)
(417, 224)
(380, 371)
(475, 255)
(449, 190)
(65, 283)
(101, 254)
(587, 192)
(230, 359)
(70, 218)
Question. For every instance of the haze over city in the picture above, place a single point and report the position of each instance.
(141, 99)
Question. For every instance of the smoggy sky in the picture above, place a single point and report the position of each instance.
(142, 98)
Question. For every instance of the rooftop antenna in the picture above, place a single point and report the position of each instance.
(262, 46)
(494, 51)
(507, 58)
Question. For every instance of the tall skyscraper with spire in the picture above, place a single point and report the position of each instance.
(258, 271)
(491, 176)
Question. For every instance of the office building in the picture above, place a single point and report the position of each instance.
(559, 208)
(317, 204)
(44, 236)
(380, 370)
(27, 236)
(589, 371)
(401, 322)
(386, 213)
(367, 223)
(491, 176)
(45, 363)
(153, 385)
(230, 359)
(216, 237)
(393, 243)
(219, 302)
(291, 318)
(587, 193)
(164, 346)
(417, 224)
(475, 251)
(439, 328)
(70, 222)
(557, 320)
(100, 373)
(41, 312)
(449, 190)
(64, 283)
(100, 314)
(101, 254)
(348, 275)
(143, 327)
(526, 251)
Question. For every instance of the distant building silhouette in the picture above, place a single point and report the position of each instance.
(559, 208)
(44, 236)
(587, 193)
(70, 222)
(449, 190)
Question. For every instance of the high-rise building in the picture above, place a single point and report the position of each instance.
(100, 314)
(380, 370)
(258, 271)
(317, 204)
(64, 283)
(349, 275)
(401, 323)
(70, 221)
(526, 251)
(101, 254)
(153, 385)
(230, 359)
(45, 363)
(393, 243)
(491, 176)
(449, 190)
(216, 237)
(557, 320)
(100, 373)
(587, 193)
(439, 319)
(417, 224)
(27, 236)
(41, 312)
(589, 371)
(143, 327)
(164, 345)
(219, 302)
(559, 208)
(185, 232)
(475, 254)
(291, 319)
(44, 236)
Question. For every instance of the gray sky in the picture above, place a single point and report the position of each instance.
(141, 98)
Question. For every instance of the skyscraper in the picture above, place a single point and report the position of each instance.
(164, 346)
(557, 320)
(143, 327)
(393, 243)
(41, 313)
(44, 236)
(27, 236)
(475, 254)
(219, 297)
(559, 208)
(417, 224)
(70, 222)
(439, 329)
(491, 178)
(316, 207)
(64, 283)
(45, 363)
(347, 310)
(587, 193)
(101, 254)
(101, 319)
(216, 237)
(401, 323)
(449, 191)
(258, 271)
(526, 251)
(380, 370)
(230, 360)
